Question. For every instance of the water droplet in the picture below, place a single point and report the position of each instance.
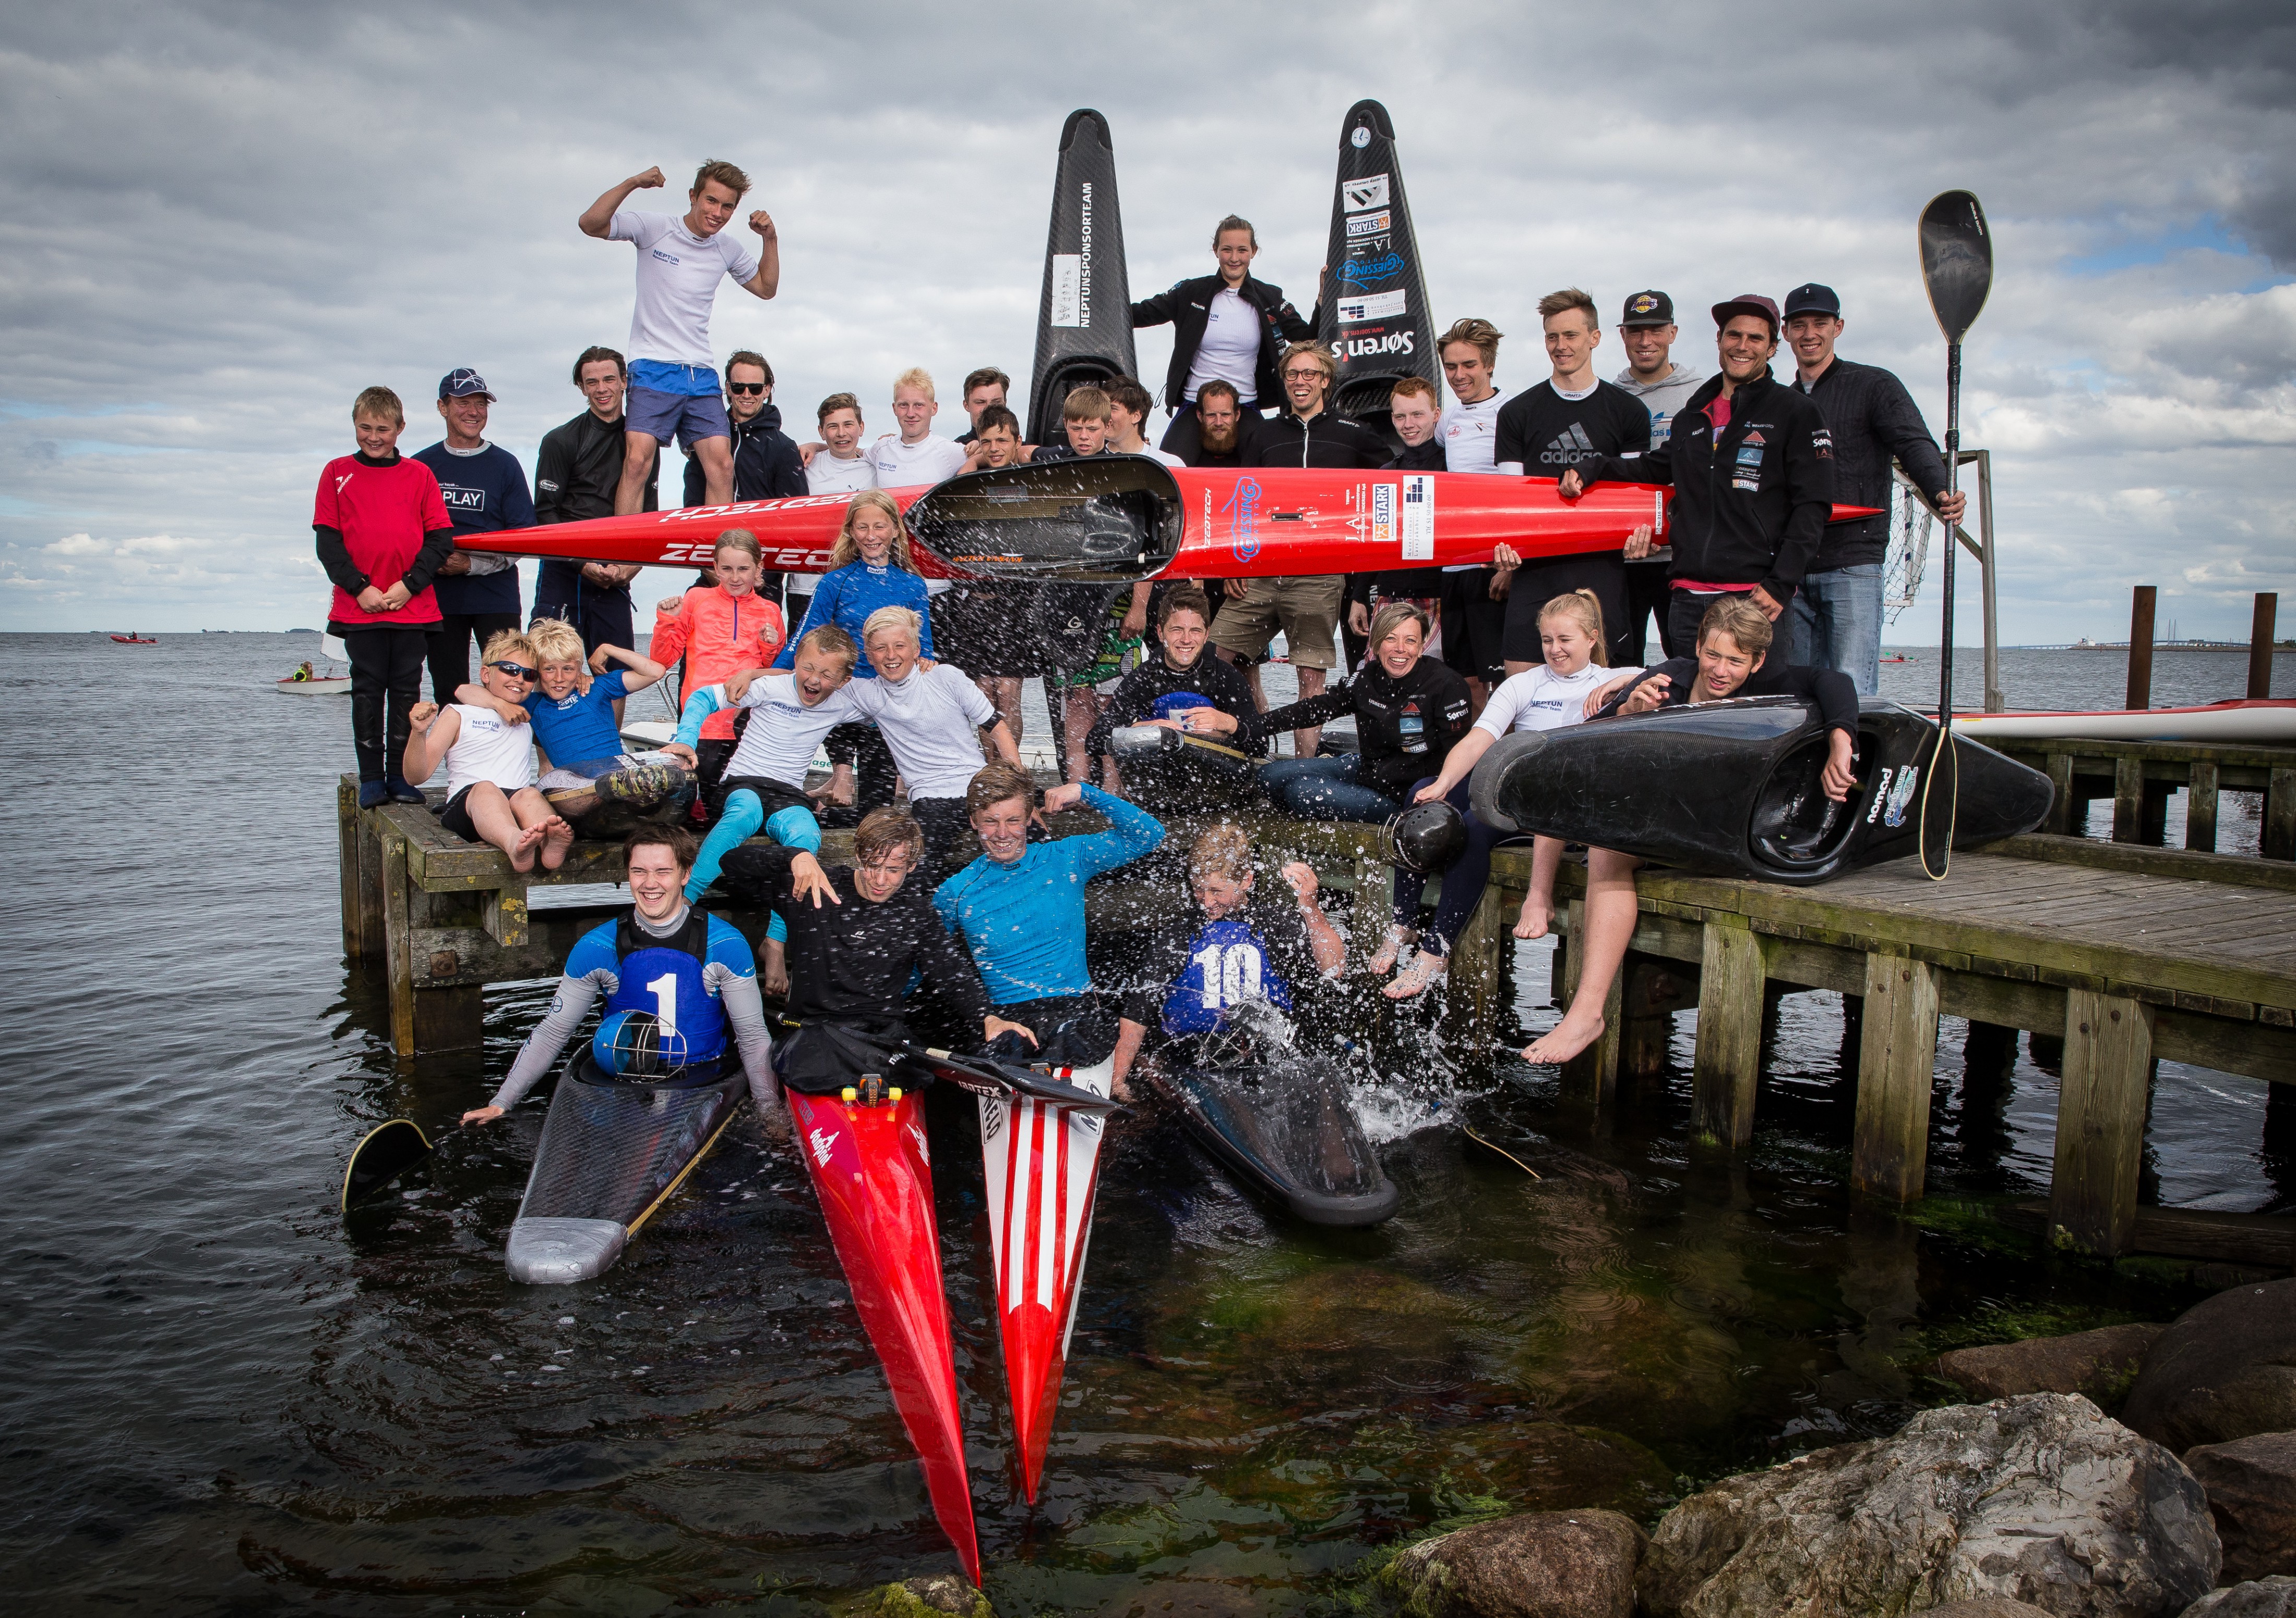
(565, 1319)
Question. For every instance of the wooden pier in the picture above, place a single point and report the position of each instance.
(2139, 776)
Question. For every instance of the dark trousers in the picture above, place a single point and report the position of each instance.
(950, 844)
(864, 748)
(1683, 614)
(1648, 596)
(1463, 884)
(450, 648)
(386, 683)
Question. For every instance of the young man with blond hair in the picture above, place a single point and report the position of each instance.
(674, 389)
(491, 796)
(916, 454)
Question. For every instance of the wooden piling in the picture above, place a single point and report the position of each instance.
(1728, 1062)
(2200, 807)
(2101, 1107)
(2260, 630)
(1897, 1063)
(2142, 600)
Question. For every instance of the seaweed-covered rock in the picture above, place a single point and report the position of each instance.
(1537, 1565)
(2225, 1370)
(2251, 1484)
(2098, 1365)
(2258, 1598)
(2042, 1498)
(932, 1596)
(1986, 1606)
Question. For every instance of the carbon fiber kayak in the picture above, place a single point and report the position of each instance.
(1286, 1133)
(612, 1151)
(1084, 314)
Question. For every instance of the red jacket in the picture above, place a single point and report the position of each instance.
(717, 634)
(384, 514)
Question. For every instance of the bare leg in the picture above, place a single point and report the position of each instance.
(1538, 904)
(1426, 968)
(1081, 709)
(1478, 696)
(1610, 928)
(717, 458)
(1311, 684)
(1399, 938)
(638, 451)
(535, 815)
(498, 822)
(773, 972)
(1004, 694)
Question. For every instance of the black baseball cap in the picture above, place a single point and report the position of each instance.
(1812, 298)
(1748, 303)
(463, 384)
(1651, 309)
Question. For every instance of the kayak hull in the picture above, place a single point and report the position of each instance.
(1084, 314)
(1288, 1136)
(324, 686)
(1376, 319)
(1042, 1160)
(611, 1154)
(1732, 787)
(873, 1174)
(2266, 722)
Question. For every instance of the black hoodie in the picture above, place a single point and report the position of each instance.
(766, 464)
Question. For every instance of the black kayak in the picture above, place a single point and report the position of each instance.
(1374, 314)
(1286, 1133)
(1084, 318)
(612, 1151)
(1732, 786)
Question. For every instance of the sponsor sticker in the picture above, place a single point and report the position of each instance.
(1382, 514)
(1243, 528)
(1370, 192)
(1363, 348)
(1365, 307)
(1822, 440)
(1749, 455)
(1360, 225)
(1067, 289)
(822, 1145)
(1749, 485)
(1881, 792)
(1419, 518)
(1901, 795)
(1370, 272)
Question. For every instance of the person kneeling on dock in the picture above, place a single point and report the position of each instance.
(851, 958)
(573, 709)
(691, 970)
(1173, 692)
(1021, 906)
(1233, 947)
(490, 791)
(1733, 643)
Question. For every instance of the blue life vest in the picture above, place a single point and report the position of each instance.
(1227, 965)
(664, 976)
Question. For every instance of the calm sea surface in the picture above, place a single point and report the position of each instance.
(220, 1397)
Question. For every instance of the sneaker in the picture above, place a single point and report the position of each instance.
(401, 791)
(640, 784)
(372, 794)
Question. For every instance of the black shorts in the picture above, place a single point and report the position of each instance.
(988, 629)
(455, 815)
(1537, 583)
(773, 796)
(1474, 627)
(603, 617)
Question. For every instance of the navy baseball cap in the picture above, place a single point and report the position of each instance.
(1651, 309)
(464, 383)
(1748, 303)
(1812, 298)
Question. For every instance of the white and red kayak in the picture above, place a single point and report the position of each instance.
(1042, 1164)
(2266, 722)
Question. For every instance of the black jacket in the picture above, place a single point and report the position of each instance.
(1724, 532)
(1874, 421)
(1431, 695)
(1322, 440)
(1829, 689)
(575, 475)
(1221, 683)
(1188, 307)
(766, 464)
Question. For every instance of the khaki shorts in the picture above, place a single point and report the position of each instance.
(1306, 610)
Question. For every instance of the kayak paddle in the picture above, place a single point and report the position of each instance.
(389, 1151)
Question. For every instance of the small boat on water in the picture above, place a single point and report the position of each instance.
(135, 640)
(2269, 721)
(309, 680)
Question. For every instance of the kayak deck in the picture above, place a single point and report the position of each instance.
(1287, 1134)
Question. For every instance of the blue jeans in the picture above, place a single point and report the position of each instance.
(1325, 789)
(1835, 622)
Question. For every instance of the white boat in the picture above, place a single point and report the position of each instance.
(316, 683)
(2270, 722)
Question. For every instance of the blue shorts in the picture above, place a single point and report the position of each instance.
(688, 417)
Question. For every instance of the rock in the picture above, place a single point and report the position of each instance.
(929, 1598)
(2251, 1484)
(1987, 1606)
(2098, 1365)
(2258, 1598)
(1539, 1564)
(2226, 1368)
(2042, 1498)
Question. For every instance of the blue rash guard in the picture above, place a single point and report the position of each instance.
(846, 595)
(1025, 921)
(581, 728)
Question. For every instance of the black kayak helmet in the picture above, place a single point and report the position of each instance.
(1425, 839)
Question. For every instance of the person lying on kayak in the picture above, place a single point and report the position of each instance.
(1233, 946)
(856, 936)
(1163, 692)
(692, 970)
(490, 791)
(573, 709)
(1021, 906)
(1733, 643)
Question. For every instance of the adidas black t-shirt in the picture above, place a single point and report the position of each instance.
(1547, 432)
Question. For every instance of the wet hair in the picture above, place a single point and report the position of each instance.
(748, 356)
(1582, 605)
(379, 402)
(871, 499)
(836, 402)
(1411, 386)
(511, 643)
(1221, 850)
(994, 783)
(885, 620)
(1314, 351)
(1482, 333)
(883, 830)
(1234, 221)
(1131, 394)
(717, 169)
(1220, 385)
(1742, 620)
(1187, 598)
(740, 539)
(988, 376)
(997, 415)
(1086, 404)
(1570, 297)
(919, 378)
(1392, 616)
(683, 845)
(556, 641)
(595, 353)
(831, 641)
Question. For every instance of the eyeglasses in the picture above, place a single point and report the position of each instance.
(745, 387)
(520, 670)
(1306, 374)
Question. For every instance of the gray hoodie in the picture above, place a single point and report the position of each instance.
(1662, 399)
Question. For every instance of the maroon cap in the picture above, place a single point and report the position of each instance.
(1748, 303)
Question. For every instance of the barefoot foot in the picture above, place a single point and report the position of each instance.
(1532, 922)
(557, 837)
(522, 846)
(1414, 981)
(1382, 959)
(1565, 1040)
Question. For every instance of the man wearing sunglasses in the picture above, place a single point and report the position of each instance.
(766, 463)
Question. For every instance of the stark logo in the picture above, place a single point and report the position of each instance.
(822, 1145)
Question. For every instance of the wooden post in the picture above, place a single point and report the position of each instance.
(2280, 816)
(1474, 969)
(397, 963)
(2259, 645)
(2128, 799)
(2200, 807)
(1728, 1060)
(2062, 806)
(2101, 1104)
(1896, 1061)
(347, 856)
(1590, 1080)
(2143, 598)
(1655, 989)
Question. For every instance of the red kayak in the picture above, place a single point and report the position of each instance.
(134, 640)
(1043, 1164)
(1125, 517)
(874, 1178)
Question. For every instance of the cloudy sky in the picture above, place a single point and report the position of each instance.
(223, 219)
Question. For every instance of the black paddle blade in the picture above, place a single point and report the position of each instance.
(1009, 1078)
(388, 1152)
(1956, 260)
